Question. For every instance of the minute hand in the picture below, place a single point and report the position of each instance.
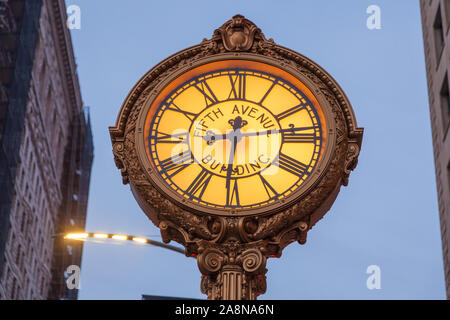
(211, 137)
(259, 133)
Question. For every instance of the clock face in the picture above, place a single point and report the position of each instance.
(234, 136)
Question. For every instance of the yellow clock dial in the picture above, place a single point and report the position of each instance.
(235, 137)
(257, 136)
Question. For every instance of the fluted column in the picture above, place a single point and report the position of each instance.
(241, 278)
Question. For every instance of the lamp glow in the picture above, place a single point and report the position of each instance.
(140, 240)
(119, 237)
(76, 236)
(100, 235)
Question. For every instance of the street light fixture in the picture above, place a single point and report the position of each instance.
(121, 237)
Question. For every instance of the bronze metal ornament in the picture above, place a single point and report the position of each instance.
(232, 248)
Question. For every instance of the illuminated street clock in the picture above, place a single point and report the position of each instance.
(235, 148)
(235, 135)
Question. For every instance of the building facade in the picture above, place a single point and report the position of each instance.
(46, 151)
(436, 36)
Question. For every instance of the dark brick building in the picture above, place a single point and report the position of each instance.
(436, 37)
(46, 150)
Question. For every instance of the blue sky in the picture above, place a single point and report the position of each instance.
(388, 214)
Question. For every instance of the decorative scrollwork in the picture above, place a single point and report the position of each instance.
(210, 261)
(253, 260)
(351, 161)
(238, 34)
(189, 222)
(217, 227)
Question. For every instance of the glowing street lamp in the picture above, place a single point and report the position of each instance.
(120, 237)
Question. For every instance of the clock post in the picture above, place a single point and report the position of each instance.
(235, 148)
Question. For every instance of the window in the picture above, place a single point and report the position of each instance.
(22, 225)
(5, 274)
(42, 285)
(28, 226)
(19, 247)
(26, 190)
(41, 243)
(445, 103)
(27, 283)
(22, 262)
(14, 288)
(42, 72)
(48, 105)
(22, 174)
(13, 239)
(33, 168)
(438, 35)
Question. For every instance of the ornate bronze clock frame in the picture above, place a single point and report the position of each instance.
(230, 239)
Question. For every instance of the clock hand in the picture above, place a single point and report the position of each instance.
(292, 129)
(237, 123)
(210, 137)
(230, 164)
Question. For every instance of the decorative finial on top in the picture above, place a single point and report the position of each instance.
(238, 34)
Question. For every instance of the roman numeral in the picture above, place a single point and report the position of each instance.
(268, 91)
(167, 138)
(291, 165)
(233, 193)
(297, 137)
(290, 111)
(199, 184)
(176, 163)
(208, 94)
(191, 116)
(269, 189)
(237, 86)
